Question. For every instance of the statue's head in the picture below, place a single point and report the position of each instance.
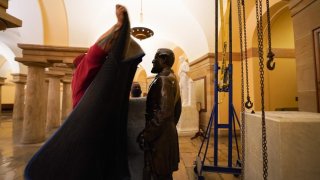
(163, 58)
(135, 89)
(182, 59)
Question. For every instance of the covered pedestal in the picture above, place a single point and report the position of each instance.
(293, 143)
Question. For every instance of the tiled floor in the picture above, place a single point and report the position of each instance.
(13, 158)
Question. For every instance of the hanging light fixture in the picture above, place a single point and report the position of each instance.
(141, 32)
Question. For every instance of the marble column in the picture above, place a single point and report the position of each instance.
(2, 79)
(53, 108)
(37, 57)
(33, 123)
(66, 97)
(18, 107)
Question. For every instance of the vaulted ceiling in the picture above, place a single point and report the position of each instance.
(184, 24)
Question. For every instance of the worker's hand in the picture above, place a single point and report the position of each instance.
(106, 39)
(120, 11)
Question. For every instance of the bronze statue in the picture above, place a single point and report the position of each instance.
(159, 139)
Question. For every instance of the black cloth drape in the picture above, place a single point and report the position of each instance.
(92, 143)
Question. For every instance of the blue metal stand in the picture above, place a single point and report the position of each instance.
(200, 166)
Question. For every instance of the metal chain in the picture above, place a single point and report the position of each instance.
(270, 63)
(249, 104)
(242, 129)
(261, 68)
(269, 27)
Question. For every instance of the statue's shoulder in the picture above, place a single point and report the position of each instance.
(167, 80)
(157, 81)
(167, 77)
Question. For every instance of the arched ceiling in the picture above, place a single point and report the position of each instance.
(186, 24)
(174, 22)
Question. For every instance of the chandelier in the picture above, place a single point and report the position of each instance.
(141, 32)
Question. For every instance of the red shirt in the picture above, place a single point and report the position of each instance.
(87, 66)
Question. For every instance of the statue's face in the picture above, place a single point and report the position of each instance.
(162, 59)
(158, 63)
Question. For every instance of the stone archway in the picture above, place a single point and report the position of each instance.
(7, 67)
(141, 78)
(277, 95)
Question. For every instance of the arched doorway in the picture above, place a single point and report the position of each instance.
(141, 78)
(281, 83)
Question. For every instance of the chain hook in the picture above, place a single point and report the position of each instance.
(270, 64)
(248, 104)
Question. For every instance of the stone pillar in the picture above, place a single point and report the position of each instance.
(36, 57)
(53, 108)
(66, 97)
(33, 123)
(2, 79)
(18, 107)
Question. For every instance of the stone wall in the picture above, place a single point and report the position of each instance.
(305, 15)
